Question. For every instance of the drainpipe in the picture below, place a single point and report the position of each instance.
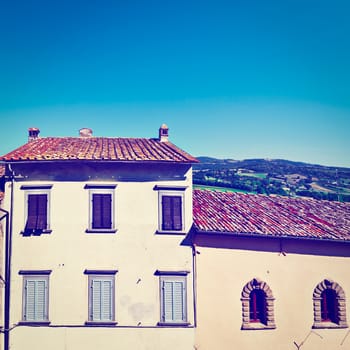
(194, 286)
(8, 255)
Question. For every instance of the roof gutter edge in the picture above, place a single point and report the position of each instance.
(258, 235)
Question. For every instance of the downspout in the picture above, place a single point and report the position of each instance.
(8, 255)
(194, 264)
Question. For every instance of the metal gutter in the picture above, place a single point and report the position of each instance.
(259, 235)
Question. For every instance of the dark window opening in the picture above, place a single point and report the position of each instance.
(329, 306)
(257, 306)
(172, 213)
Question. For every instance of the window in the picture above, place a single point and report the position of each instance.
(173, 298)
(37, 209)
(35, 296)
(101, 208)
(329, 305)
(101, 296)
(257, 306)
(171, 209)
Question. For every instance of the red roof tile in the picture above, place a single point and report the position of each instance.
(98, 148)
(271, 216)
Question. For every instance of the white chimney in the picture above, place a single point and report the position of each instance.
(85, 132)
(33, 133)
(164, 133)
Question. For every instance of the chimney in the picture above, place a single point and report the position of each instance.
(164, 133)
(85, 132)
(33, 133)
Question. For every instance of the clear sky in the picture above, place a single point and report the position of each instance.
(232, 79)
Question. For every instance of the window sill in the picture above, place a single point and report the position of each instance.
(257, 326)
(180, 233)
(173, 324)
(320, 325)
(101, 230)
(100, 324)
(34, 323)
(35, 232)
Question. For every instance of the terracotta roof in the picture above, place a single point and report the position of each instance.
(270, 216)
(98, 148)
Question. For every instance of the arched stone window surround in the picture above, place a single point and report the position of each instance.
(341, 305)
(256, 283)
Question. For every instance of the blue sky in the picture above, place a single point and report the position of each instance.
(233, 79)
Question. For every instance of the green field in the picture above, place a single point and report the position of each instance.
(218, 188)
(258, 175)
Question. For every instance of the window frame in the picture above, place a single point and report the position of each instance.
(37, 275)
(101, 275)
(101, 189)
(171, 191)
(173, 277)
(268, 319)
(339, 309)
(37, 190)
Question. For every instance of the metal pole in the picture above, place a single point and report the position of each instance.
(8, 255)
(6, 300)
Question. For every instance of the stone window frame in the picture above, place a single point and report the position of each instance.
(256, 283)
(341, 305)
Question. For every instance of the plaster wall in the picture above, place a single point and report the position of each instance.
(221, 275)
(136, 250)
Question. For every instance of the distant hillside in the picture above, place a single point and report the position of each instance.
(274, 176)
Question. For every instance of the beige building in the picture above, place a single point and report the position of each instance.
(272, 272)
(97, 260)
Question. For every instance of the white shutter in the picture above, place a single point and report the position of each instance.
(168, 301)
(178, 301)
(101, 303)
(40, 300)
(35, 300)
(29, 313)
(106, 300)
(173, 301)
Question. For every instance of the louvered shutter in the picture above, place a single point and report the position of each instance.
(171, 213)
(35, 300)
(101, 303)
(178, 290)
(177, 213)
(167, 220)
(32, 213)
(173, 301)
(167, 301)
(41, 212)
(102, 211)
(37, 212)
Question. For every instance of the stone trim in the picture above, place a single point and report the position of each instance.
(256, 283)
(341, 305)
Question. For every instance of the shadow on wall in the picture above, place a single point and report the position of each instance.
(282, 245)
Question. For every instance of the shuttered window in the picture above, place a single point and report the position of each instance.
(173, 299)
(102, 208)
(101, 298)
(37, 219)
(35, 298)
(101, 211)
(37, 209)
(171, 213)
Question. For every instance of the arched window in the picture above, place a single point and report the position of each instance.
(329, 305)
(257, 306)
